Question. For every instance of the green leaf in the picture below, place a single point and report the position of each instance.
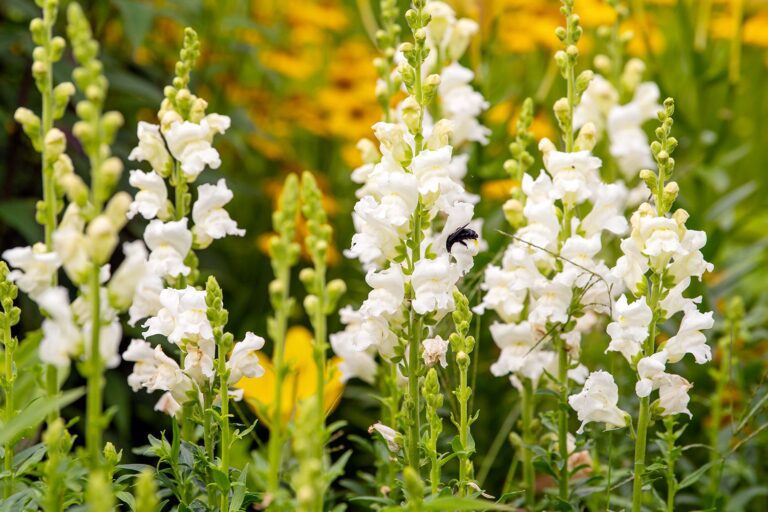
(137, 20)
(34, 414)
(692, 478)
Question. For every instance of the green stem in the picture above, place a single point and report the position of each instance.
(562, 418)
(225, 434)
(9, 405)
(642, 433)
(49, 191)
(464, 463)
(669, 421)
(413, 392)
(275, 433)
(529, 406)
(95, 376)
(645, 408)
(208, 439)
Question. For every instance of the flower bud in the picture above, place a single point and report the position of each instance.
(336, 288)
(57, 48)
(411, 113)
(587, 138)
(116, 209)
(311, 303)
(513, 212)
(307, 276)
(102, 239)
(368, 151)
(649, 177)
(441, 134)
(55, 143)
(75, 189)
(431, 84)
(562, 111)
(111, 169)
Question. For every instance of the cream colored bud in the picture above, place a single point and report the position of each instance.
(55, 143)
(602, 64)
(441, 134)
(116, 209)
(101, 239)
(111, 169)
(587, 137)
(63, 166)
(368, 151)
(513, 212)
(75, 188)
(411, 113)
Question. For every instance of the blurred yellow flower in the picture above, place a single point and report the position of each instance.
(299, 384)
(497, 190)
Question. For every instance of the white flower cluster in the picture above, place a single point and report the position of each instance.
(392, 193)
(180, 315)
(81, 247)
(397, 184)
(547, 274)
(665, 247)
(622, 123)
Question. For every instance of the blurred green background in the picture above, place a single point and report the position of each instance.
(298, 81)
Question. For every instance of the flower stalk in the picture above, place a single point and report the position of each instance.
(462, 346)
(8, 318)
(434, 400)
(284, 255)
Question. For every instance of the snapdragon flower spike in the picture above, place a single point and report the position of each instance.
(411, 196)
(162, 274)
(660, 258)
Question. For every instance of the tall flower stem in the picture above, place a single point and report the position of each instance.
(434, 400)
(8, 318)
(95, 375)
(226, 438)
(462, 345)
(414, 420)
(284, 253)
(562, 418)
(529, 408)
(50, 199)
(645, 404)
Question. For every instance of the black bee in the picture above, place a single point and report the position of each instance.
(460, 236)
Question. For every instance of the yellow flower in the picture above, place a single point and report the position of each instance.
(299, 384)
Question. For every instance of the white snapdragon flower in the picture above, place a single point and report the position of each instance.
(62, 339)
(33, 268)
(190, 144)
(168, 405)
(674, 302)
(435, 350)
(651, 371)
(153, 370)
(629, 147)
(692, 263)
(152, 198)
(146, 299)
(596, 102)
(169, 243)
(608, 211)
(354, 363)
(132, 271)
(211, 219)
(244, 360)
(387, 293)
(199, 360)
(631, 266)
(379, 228)
(673, 395)
(433, 284)
(689, 338)
(552, 299)
(629, 328)
(463, 105)
(363, 331)
(151, 149)
(431, 168)
(575, 176)
(71, 244)
(503, 295)
(517, 343)
(660, 238)
(182, 317)
(392, 437)
(598, 401)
